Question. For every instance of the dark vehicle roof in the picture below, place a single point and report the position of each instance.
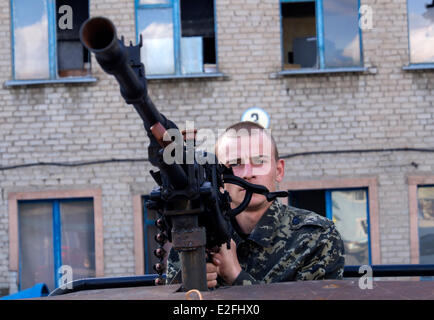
(301, 290)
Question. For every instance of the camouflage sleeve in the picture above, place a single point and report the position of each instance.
(326, 259)
(244, 278)
(173, 271)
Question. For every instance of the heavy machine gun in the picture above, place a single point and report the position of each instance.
(195, 214)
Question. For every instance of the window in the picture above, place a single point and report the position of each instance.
(348, 209)
(178, 36)
(55, 233)
(150, 231)
(421, 31)
(425, 199)
(320, 34)
(45, 39)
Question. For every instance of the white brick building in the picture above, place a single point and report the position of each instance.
(366, 125)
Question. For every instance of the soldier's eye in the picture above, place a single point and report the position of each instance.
(234, 163)
(259, 160)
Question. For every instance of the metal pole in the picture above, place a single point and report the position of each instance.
(189, 240)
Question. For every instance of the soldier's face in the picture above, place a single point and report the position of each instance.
(251, 158)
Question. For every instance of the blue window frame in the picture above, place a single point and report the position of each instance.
(421, 33)
(349, 210)
(52, 234)
(149, 233)
(45, 42)
(425, 197)
(179, 37)
(320, 35)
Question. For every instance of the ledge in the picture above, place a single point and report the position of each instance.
(216, 75)
(422, 66)
(307, 71)
(16, 83)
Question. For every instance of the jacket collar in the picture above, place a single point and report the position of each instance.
(264, 231)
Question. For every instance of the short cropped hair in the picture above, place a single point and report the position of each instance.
(250, 126)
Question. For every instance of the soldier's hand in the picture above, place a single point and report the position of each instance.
(211, 275)
(227, 263)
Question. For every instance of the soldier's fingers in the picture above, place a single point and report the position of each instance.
(233, 244)
(211, 267)
(212, 284)
(217, 258)
(211, 276)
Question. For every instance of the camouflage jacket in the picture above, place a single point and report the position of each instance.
(287, 244)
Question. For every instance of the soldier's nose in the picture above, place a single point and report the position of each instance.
(247, 171)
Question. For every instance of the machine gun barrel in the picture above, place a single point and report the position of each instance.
(99, 36)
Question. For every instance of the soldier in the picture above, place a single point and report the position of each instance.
(275, 242)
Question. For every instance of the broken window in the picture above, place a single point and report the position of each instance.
(320, 34)
(72, 56)
(299, 35)
(178, 37)
(46, 41)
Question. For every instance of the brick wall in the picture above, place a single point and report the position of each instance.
(389, 108)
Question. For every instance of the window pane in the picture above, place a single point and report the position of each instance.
(36, 244)
(350, 217)
(78, 241)
(72, 57)
(31, 58)
(191, 55)
(426, 225)
(150, 232)
(156, 28)
(421, 29)
(299, 35)
(341, 33)
(312, 200)
(198, 36)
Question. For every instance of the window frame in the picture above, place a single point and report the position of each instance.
(329, 211)
(147, 223)
(414, 66)
(52, 52)
(139, 245)
(319, 18)
(414, 182)
(329, 208)
(175, 5)
(369, 184)
(15, 197)
(57, 226)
